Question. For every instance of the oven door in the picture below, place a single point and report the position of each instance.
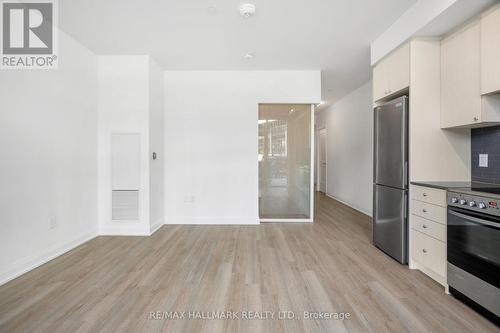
(474, 244)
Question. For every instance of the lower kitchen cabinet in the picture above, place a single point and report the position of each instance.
(428, 232)
(429, 252)
(427, 227)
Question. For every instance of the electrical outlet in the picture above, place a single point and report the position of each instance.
(52, 222)
(483, 160)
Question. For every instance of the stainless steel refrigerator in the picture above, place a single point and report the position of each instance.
(390, 188)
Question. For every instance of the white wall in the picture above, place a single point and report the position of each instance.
(48, 168)
(156, 180)
(211, 136)
(123, 101)
(349, 124)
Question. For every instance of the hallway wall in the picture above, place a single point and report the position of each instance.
(349, 124)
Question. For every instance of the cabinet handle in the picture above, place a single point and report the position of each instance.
(424, 226)
(476, 118)
(424, 194)
(424, 250)
(424, 210)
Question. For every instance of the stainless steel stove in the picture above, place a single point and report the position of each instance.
(483, 200)
(473, 235)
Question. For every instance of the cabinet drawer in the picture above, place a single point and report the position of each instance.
(429, 195)
(428, 227)
(429, 211)
(428, 252)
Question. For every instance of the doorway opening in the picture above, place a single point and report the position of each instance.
(286, 162)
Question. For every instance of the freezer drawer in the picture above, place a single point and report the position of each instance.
(390, 229)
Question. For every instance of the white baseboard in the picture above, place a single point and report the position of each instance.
(157, 225)
(212, 220)
(125, 228)
(23, 266)
(119, 232)
(286, 220)
(349, 204)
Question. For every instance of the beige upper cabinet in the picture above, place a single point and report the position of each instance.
(467, 73)
(490, 51)
(461, 77)
(392, 74)
(380, 81)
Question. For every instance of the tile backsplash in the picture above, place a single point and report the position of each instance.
(486, 141)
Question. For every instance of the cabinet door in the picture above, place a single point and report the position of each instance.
(399, 69)
(392, 74)
(429, 252)
(380, 80)
(460, 77)
(490, 51)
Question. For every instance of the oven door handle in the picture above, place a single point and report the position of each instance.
(474, 219)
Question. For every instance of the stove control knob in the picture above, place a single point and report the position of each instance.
(454, 200)
(472, 204)
(482, 205)
(463, 202)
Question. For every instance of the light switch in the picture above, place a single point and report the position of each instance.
(483, 160)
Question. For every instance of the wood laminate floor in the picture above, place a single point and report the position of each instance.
(111, 284)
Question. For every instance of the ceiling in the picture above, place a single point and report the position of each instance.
(329, 35)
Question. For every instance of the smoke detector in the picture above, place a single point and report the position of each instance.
(212, 10)
(247, 10)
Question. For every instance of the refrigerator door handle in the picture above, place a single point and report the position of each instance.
(404, 140)
(375, 144)
(405, 174)
(405, 205)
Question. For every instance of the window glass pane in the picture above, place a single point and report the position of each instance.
(284, 161)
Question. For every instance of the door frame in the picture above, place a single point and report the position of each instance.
(318, 160)
(311, 181)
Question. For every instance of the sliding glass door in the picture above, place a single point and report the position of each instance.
(285, 162)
